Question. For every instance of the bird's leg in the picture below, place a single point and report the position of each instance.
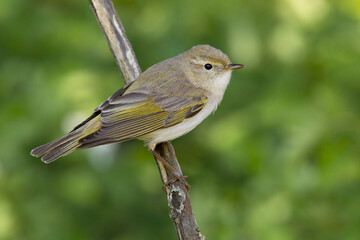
(177, 176)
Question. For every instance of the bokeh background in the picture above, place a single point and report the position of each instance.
(279, 159)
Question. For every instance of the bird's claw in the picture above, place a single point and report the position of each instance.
(180, 178)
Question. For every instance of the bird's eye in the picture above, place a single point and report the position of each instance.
(208, 66)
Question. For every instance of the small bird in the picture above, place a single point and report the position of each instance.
(165, 102)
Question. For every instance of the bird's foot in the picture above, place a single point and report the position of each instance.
(180, 178)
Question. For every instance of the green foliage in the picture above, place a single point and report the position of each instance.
(279, 160)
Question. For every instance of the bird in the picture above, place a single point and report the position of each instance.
(165, 102)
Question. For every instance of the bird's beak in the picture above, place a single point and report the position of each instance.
(234, 66)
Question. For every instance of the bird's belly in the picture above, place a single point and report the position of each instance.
(170, 133)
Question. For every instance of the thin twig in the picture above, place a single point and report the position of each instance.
(176, 191)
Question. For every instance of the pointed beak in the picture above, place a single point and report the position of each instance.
(234, 66)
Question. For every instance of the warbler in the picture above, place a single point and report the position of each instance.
(165, 102)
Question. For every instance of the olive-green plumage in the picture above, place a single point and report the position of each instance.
(153, 106)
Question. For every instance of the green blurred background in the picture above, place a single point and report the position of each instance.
(279, 159)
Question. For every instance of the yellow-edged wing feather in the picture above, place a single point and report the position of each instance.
(136, 114)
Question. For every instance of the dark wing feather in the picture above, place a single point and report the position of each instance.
(121, 123)
(97, 111)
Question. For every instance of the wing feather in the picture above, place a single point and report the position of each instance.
(143, 108)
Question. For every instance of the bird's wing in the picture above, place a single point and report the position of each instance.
(132, 114)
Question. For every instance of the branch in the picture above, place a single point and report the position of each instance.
(176, 191)
(114, 32)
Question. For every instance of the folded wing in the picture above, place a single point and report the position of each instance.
(137, 113)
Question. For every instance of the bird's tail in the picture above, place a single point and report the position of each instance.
(69, 143)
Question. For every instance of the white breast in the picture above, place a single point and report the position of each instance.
(173, 132)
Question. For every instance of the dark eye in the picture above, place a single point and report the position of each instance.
(208, 66)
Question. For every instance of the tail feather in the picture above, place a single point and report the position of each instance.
(41, 150)
(67, 144)
(61, 150)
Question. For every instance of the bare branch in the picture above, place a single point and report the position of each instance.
(176, 191)
(114, 32)
(178, 196)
